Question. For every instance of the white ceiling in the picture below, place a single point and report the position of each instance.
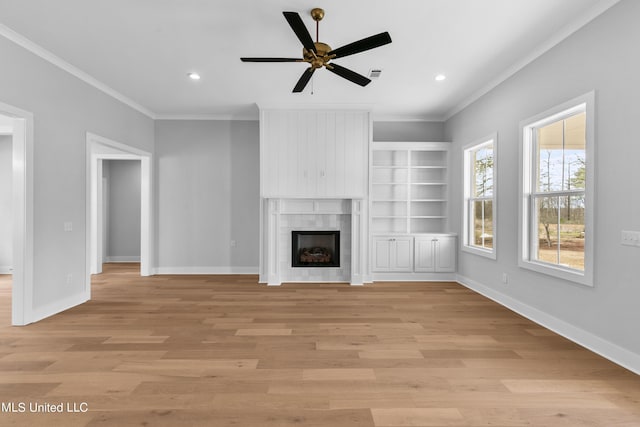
(144, 49)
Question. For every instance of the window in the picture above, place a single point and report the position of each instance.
(557, 202)
(479, 226)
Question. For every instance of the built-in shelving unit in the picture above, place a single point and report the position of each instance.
(408, 211)
(409, 187)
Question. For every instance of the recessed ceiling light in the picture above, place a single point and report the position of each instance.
(440, 77)
(194, 76)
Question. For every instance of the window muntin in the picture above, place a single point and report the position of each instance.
(479, 213)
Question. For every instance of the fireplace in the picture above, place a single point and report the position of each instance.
(315, 248)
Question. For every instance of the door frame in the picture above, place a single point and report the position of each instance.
(98, 149)
(23, 214)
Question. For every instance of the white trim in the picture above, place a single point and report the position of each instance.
(43, 53)
(584, 103)
(465, 246)
(23, 212)
(213, 117)
(315, 107)
(386, 117)
(122, 259)
(56, 307)
(376, 117)
(6, 269)
(604, 348)
(207, 270)
(580, 21)
(121, 149)
(399, 276)
(99, 149)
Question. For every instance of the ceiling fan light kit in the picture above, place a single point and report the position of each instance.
(318, 54)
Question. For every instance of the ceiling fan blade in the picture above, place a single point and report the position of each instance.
(304, 79)
(300, 29)
(362, 45)
(271, 59)
(352, 76)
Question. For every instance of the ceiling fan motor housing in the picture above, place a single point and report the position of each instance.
(320, 58)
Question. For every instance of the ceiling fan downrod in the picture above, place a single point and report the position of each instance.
(317, 14)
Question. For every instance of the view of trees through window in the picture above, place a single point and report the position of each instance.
(481, 201)
(559, 196)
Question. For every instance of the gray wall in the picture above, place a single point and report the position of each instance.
(597, 57)
(409, 131)
(123, 216)
(64, 109)
(207, 195)
(6, 191)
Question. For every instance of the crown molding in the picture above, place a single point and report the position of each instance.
(313, 106)
(225, 117)
(43, 53)
(582, 20)
(406, 118)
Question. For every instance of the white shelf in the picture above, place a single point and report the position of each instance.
(408, 187)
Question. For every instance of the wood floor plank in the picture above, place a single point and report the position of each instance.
(225, 351)
(407, 417)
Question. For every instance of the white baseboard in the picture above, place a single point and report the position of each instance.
(39, 313)
(604, 348)
(122, 259)
(206, 270)
(395, 276)
(6, 269)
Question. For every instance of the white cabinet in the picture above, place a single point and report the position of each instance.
(413, 257)
(393, 253)
(435, 253)
(314, 154)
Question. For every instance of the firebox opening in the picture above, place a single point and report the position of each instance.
(315, 248)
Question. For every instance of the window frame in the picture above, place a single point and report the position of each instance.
(468, 176)
(528, 174)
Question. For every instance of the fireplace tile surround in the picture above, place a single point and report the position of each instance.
(282, 216)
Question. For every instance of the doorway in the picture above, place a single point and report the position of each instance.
(100, 150)
(19, 125)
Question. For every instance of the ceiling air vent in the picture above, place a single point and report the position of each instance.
(375, 73)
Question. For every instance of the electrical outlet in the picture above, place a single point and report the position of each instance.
(505, 278)
(630, 238)
(68, 226)
(233, 243)
(69, 279)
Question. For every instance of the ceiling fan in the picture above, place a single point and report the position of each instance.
(319, 55)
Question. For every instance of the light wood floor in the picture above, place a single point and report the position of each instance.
(225, 351)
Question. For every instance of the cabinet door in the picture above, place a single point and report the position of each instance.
(402, 252)
(382, 254)
(392, 254)
(446, 254)
(425, 254)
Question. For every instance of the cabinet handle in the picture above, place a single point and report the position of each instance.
(322, 174)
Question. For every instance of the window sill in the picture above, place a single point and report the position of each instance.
(491, 254)
(559, 272)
